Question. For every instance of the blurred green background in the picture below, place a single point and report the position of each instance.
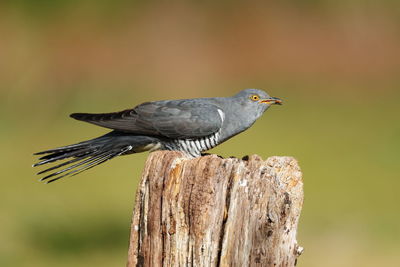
(335, 63)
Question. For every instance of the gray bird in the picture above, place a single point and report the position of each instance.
(189, 125)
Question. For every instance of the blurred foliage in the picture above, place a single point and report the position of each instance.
(46, 9)
(338, 74)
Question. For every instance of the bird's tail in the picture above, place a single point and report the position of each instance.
(88, 154)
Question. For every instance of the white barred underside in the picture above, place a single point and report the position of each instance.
(193, 147)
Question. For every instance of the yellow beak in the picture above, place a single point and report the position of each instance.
(271, 101)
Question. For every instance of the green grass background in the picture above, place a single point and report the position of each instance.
(341, 124)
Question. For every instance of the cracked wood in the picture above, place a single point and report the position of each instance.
(210, 211)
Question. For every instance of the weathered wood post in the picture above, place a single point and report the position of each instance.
(211, 211)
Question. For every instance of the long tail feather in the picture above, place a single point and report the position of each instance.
(93, 157)
(60, 165)
(63, 148)
(91, 164)
(88, 154)
(59, 156)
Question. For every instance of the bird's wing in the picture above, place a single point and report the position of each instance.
(172, 119)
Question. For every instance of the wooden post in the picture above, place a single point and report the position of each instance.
(211, 211)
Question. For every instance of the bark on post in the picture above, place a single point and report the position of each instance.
(211, 211)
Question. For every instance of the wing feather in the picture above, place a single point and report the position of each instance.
(172, 119)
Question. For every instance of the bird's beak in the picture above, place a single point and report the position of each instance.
(271, 101)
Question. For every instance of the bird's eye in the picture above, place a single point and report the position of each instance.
(255, 97)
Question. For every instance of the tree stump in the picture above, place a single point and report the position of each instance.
(211, 211)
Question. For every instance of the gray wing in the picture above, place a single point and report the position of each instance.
(172, 119)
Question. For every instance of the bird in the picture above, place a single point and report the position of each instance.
(192, 126)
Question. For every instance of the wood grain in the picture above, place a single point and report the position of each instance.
(211, 211)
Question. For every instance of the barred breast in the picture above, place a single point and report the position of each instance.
(193, 147)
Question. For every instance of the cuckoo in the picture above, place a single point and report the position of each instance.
(188, 125)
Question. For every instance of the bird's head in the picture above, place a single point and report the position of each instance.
(256, 100)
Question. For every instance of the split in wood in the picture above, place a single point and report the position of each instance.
(211, 211)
